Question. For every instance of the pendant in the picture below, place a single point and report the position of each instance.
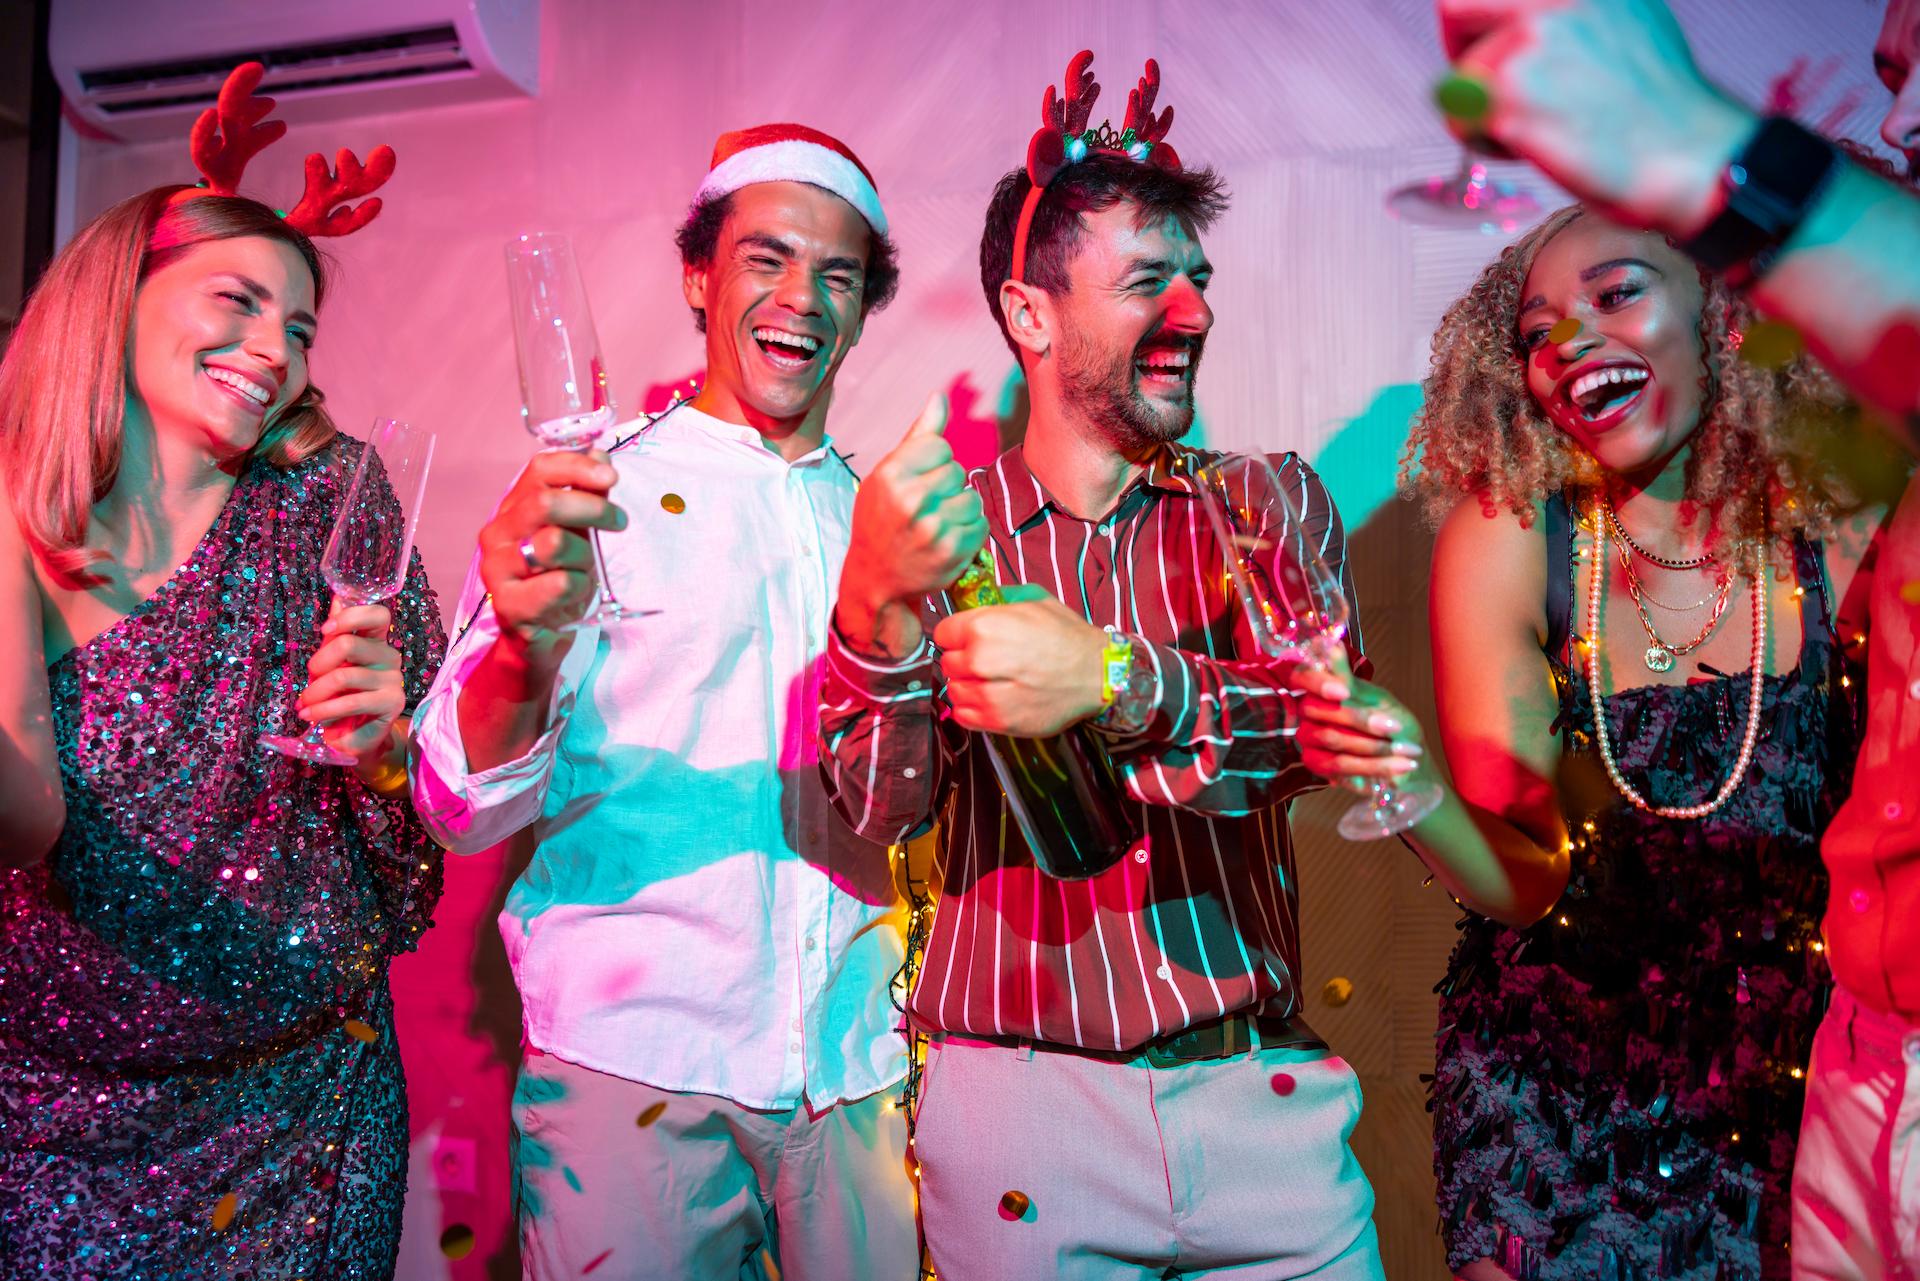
(1659, 658)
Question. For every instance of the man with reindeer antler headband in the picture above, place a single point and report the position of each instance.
(1118, 1081)
(198, 1068)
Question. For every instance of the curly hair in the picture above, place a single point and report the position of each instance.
(699, 237)
(1757, 463)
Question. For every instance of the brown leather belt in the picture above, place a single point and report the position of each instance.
(1221, 1039)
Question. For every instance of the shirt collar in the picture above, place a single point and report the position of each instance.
(684, 415)
(1027, 499)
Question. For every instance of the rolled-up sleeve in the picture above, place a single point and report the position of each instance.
(468, 811)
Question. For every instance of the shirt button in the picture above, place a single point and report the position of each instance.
(1893, 809)
(1105, 530)
(1164, 972)
(811, 945)
(1140, 855)
(1858, 900)
(915, 684)
(909, 772)
(796, 1025)
(1913, 690)
(1911, 1048)
(794, 1046)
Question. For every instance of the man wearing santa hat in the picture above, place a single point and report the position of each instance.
(703, 949)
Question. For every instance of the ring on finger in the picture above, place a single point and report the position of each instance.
(528, 558)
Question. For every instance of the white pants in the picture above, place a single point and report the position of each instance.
(630, 1183)
(1856, 1177)
(1237, 1169)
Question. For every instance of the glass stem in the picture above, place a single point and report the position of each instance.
(606, 595)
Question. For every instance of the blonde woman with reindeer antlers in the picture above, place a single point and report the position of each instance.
(198, 1074)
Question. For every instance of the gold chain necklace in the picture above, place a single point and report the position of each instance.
(1660, 653)
(1620, 532)
(1756, 689)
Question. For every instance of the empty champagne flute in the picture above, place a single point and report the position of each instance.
(564, 398)
(1294, 603)
(367, 555)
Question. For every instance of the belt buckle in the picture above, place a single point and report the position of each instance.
(1222, 1040)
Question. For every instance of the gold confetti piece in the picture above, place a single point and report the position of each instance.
(457, 1241)
(1337, 991)
(1283, 1083)
(673, 503)
(1768, 344)
(1566, 330)
(651, 1115)
(1014, 1205)
(361, 1032)
(1910, 592)
(223, 1212)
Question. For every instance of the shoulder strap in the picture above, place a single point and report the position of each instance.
(1560, 584)
(1816, 603)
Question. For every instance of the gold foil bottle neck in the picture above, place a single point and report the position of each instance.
(978, 584)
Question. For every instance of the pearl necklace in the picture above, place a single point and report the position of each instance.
(1756, 689)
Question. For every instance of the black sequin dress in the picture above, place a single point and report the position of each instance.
(198, 1073)
(1618, 1087)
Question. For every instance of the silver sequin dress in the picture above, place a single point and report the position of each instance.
(198, 1073)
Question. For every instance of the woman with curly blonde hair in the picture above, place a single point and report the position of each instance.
(1645, 662)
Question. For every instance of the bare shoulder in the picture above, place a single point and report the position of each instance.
(1487, 563)
(16, 556)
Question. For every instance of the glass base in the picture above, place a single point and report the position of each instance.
(1390, 811)
(309, 747)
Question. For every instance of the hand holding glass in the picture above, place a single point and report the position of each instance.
(1294, 603)
(366, 558)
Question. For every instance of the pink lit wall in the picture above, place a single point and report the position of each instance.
(1313, 109)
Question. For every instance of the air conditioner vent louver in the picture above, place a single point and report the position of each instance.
(285, 65)
(144, 71)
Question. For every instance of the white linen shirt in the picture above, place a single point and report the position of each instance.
(695, 917)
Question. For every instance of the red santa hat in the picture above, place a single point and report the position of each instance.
(792, 153)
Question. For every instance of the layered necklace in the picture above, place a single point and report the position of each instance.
(1606, 527)
(1660, 653)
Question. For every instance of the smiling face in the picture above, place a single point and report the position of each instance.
(219, 343)
(783, 301)
(1133, 326)
(1895, 55)
(1625, 381)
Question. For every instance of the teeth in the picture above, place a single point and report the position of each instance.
(1168, 360)
(781, 336)
(1595, 379)
(260, 395)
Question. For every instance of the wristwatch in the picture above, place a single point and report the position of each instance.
(1128, 686)
(1771, 186)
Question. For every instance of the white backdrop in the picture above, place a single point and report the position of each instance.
(1313, 109)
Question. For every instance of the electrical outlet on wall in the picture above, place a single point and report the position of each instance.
(453, 1165)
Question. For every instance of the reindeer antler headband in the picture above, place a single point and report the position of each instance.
(1064, 139)
(235, 129)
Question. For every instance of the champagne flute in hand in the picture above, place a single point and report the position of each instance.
(564, 399)
(1294, 603)
(372, 543)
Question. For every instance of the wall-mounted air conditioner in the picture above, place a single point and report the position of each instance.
(144, 68)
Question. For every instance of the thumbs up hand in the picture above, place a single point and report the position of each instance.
(916, 524)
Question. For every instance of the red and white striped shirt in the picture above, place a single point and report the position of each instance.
(1199, 921)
